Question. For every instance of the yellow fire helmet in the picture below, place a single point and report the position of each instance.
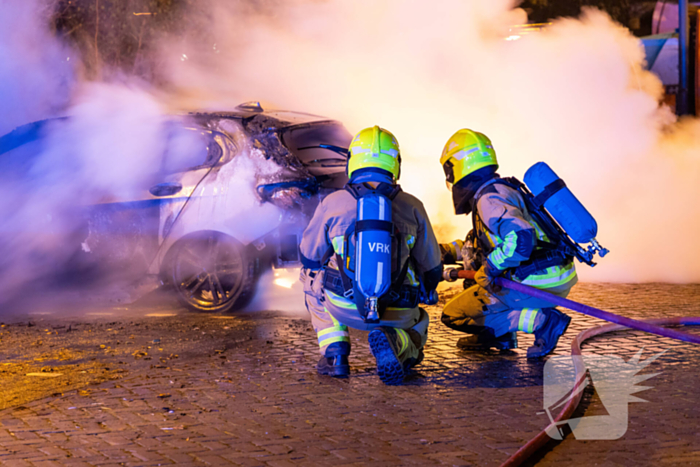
(466, 152)
(375, 148)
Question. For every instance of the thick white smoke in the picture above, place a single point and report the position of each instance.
(109, 149)
(105, 151)
(36, 72)
(574, 95)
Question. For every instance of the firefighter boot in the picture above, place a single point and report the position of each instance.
(414, 359)
(395, 351)
(335, 362)
(486, 340)
(547, 336)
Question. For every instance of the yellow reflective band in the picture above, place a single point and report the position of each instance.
(505, 251)
(497, 258)
(453, 249)
(341, 328)
(493, 240)
(411, 276)
(340, 302)
(332, 340)
(527, 320)
(531, 324)
(540, 233)
(521, 322)
(335, 335)
(553, 277)
(338, 244)
(335, 321)
(410, 241)
(510, 244)
(403, 338)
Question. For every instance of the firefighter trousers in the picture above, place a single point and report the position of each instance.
(506, 311)
(331, 324)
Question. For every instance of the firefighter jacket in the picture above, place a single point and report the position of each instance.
(417, 243)
(509, 237)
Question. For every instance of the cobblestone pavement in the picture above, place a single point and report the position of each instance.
(149, 389)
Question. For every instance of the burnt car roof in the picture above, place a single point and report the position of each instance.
(256, 120)
(274, 117)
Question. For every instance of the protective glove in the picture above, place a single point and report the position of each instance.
(450, 252)
(303, 275)
(307, 276)
(472, 256)
(485, 277)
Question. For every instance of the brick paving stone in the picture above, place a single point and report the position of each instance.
(15, 462)
(263, 404)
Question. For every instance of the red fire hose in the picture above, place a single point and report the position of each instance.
(653, 326)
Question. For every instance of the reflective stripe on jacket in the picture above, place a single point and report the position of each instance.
(338, 211)
(508, 235)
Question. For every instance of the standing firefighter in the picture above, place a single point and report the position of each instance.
(505, 240)
(367, 253)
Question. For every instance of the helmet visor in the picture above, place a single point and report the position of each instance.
(448, 167)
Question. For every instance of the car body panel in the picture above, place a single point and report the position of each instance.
(249, 184)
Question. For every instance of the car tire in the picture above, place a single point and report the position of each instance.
(211, 272)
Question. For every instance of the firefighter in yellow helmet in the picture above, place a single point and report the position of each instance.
(398, 334)
(504, 240)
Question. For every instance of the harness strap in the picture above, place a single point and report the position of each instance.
(405, 296)
(546, 254)
(346, 281)
(548, 192)
(358, 190)
(540, 262)
(327, 255)
(373, 224)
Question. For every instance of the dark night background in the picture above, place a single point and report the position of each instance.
(121, 33)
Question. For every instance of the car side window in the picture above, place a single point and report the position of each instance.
(190, 148)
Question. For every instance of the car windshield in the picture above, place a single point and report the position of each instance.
(190, 148)
(322, 148)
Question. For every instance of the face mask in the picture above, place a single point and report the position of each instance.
(462, 199)
(463, 192)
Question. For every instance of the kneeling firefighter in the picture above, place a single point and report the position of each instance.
(505, 240)
(369, 255)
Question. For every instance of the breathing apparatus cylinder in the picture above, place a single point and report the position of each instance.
(551, 191)
(373, 250)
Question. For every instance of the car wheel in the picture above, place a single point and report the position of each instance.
(212, 272)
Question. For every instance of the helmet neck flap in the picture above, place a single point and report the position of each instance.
(463, 191)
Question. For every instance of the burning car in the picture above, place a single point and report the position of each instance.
(232, 194)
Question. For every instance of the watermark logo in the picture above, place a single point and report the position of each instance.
(613, 379)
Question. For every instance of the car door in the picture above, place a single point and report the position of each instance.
(125, 236)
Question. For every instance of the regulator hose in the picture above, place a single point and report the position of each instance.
(652, 326)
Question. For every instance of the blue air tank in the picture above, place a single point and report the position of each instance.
(373, 248)
(561, 203)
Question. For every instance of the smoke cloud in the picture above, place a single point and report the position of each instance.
(574, 95)
(36, 71)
